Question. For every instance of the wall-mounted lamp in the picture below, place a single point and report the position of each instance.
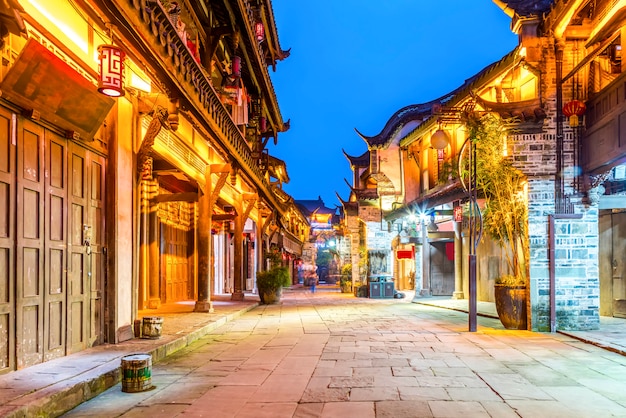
(111, 70)
(439, 139)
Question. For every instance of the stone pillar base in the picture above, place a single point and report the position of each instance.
(203, 306)
(237, 295)
(424, 293)
(154, 303)
(458, 295)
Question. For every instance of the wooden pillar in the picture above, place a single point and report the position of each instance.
(458, 262)
(203, 245)
(238, 253)
(144, 270)
(154, 299)
(425, 262)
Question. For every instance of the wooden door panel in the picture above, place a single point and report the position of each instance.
(95, 260)
(30, 252)
(55, 246)
(7, 243)
(619, 265)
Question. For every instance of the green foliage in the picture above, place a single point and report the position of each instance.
(505, 217)
(346, 274)
(363, 262)
(346, 271)
(273, 279)
(510, 280)
(324, 257)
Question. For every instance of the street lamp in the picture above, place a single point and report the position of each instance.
(474, 222)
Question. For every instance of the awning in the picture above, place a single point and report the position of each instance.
(42, 82)
(291, 245)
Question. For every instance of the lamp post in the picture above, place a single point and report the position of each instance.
(474, 223)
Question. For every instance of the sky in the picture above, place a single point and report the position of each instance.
(353, 64)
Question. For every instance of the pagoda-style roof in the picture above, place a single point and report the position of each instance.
(362, 160)
(309, 207)
(457, 96)
(277, 169)
(525, 8)
(411, 113)
(525, 114)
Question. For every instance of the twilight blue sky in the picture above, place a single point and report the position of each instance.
(354, 63)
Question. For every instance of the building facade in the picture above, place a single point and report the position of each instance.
(561, 86)
(133, 165)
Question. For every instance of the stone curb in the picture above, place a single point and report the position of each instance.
(58, 398)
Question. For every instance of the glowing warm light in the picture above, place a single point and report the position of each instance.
(64, 29)
(111, 68)
(439, 140)
(259, 31)
(139, 83)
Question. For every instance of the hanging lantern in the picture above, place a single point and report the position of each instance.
(439, 140)
(573, 110)
(236, 66)
(263, 124)
(259, 31)
(111, 68)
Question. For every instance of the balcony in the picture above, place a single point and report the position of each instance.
(178, 69)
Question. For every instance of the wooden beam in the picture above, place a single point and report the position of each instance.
(176, 197)
(223, 216)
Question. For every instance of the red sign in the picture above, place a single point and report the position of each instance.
(405, 254)
(458, 214)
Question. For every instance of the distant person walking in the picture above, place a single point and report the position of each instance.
(313, 283)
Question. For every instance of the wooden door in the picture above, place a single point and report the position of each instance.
(86, 258)
(7, 243)
(30, 245)
(174, 263)
(97, 259)
(619, 265)
(441, 270)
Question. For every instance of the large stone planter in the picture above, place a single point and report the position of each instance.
(511, 306)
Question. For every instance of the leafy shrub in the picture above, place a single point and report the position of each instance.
(273, 279)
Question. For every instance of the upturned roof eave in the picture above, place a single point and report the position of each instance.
(463, 92)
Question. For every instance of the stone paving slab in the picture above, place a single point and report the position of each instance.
(325, 345)
(376, 358)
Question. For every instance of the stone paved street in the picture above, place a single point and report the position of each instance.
(333, 355)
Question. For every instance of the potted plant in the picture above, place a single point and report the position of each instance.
(346, 278)
(270, 284)
(505, 214)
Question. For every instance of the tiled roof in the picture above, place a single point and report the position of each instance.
(362, 160)
(308, 207)
(525, 8)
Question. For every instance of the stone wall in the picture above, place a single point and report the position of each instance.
(576, 262)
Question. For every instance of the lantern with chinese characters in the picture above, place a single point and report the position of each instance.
(573, 110)
(111, 77)
(259, 31)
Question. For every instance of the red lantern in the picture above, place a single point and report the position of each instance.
(111, 67)
(259, 31)
(573, 110)
(263, 124)
(236, 66)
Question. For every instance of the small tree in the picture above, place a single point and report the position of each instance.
(505, 216)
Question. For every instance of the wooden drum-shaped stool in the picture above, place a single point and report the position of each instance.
(137, 373)
(151, 327)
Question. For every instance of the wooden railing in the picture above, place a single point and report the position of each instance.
(153, 24)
